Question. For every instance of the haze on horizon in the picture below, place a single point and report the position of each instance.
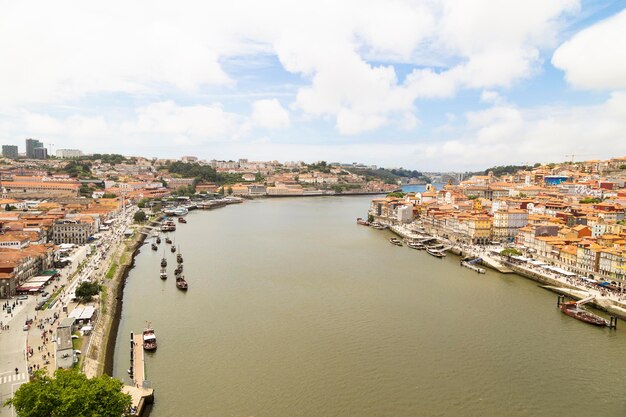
(428, 85)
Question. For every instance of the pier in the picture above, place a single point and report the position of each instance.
(141, 393)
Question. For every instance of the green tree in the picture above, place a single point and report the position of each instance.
(109, 195)
(396, 194)
(139, 217)
(70, 393)
(510, 252)
(86, 290)
(229, 190)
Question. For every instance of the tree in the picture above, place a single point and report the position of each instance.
(86, 290)
(109, 195)
(139, 217)
(229, 190)
(510, 252)
(70, 393)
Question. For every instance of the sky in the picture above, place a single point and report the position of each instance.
(432, 85)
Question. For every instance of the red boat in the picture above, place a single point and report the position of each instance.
(572, 309)
(362, 222)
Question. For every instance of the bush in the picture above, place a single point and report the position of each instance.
(86, 290)
(139, 217)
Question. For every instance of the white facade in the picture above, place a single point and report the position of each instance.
(69, 153)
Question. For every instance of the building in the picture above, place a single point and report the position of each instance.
(31, 145)
(10, 151)
(69, 153)
(40, 153)
(71, 231)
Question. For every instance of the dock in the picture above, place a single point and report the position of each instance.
(470, 265)
(140, 391)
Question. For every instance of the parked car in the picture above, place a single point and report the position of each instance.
(22, 297)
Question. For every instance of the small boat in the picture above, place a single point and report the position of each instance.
(168, 226)
(163, 274)
(572, 309)
(173, 249)
(416, 245)
(395, 241)
(435, 253)
(158, 240)
(168, 240)
(149, 338)
(181, 284)
(179, 257)
(378, 226)
(163, 262)
(182, 220)
(154, 246)
(362, 222)
(179, 269)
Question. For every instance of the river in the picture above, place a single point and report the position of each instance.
(294, 310)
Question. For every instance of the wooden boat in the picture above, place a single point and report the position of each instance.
(181, 284)
(168, 240)
(158, 240)
(163, 261)
(179, 257)
(182, 220)
(362, 222)
(173, 249)
(395, 241)
(416, 245)
(179, 269)
(572, 309)
(163, 274)
(154, 246)
(149, 338)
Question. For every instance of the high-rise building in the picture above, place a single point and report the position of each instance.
(40, 153)
(69, 153)
(10, 151)
(31, 145)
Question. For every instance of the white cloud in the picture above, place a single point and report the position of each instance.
(595, 58)
(151, 47)
(269, 114)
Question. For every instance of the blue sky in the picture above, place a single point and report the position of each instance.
(428, 85)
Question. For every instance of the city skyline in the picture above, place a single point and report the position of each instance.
(419, 85)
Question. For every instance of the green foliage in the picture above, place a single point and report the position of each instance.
(109, 195)
(85, 190)
(70, 393)
(370, 218)
(139, 217)
(111, 272)
(472, 197)
(193, 170)
(187, 191)
(622, 166)
(9, 207)
(503, 170)
(229, 190)
(590, 200)
(86, 290)
(112, 159)
(78, 169)
(396, 194)
(510, 252)
(320, 166)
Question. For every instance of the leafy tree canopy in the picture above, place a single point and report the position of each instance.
(139, 217)
(70, 393)
(86, 290)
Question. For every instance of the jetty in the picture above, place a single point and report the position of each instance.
(142, 395)
(470, 264)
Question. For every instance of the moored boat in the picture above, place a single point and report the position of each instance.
(149, 338)
(181, 284)
(163, 261)
(154, 246)
(179, 257)
(163, 274)
(435, 253)
(182, 220)
(173, 249)
(168, 240)
(395, 241)
(158, 240)
(362, 222)
(416, 245)
(572, 309)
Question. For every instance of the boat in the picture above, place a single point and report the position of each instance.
(395, 241)
(416, 245)
(378, 226)
(182, 220)
(168, 240)
(158, 240)
(163, 274)
(154, 246)
(168, 226)
(179, 257)
(572, 309)
(362, 222)
(173, 249)
(179, 269)
(149, 338)
(435, 253)
(180, 211)
(163, 261)
(181, 284)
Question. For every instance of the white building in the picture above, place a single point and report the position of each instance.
(69, 153)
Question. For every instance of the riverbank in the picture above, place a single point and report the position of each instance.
(99, 357)
(562, 285)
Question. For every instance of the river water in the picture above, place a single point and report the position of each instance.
(294, 310)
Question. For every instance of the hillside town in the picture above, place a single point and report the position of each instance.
(570, 216)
